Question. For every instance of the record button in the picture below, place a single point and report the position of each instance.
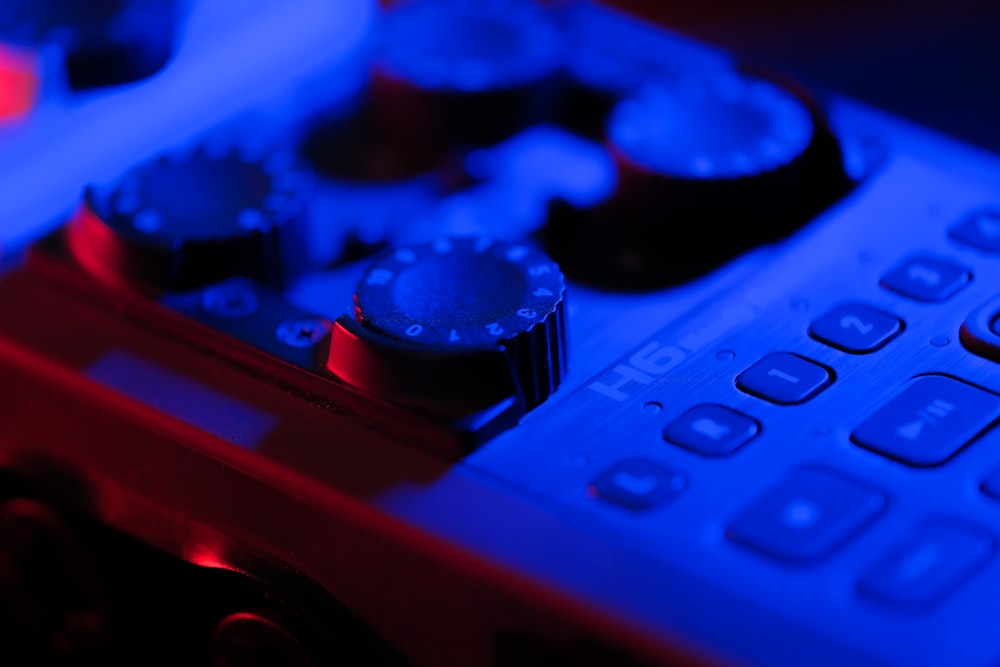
(806, 516)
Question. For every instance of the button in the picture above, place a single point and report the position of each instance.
(638, 484)
(95, 44)
(927, 565)
(928, 421)
(806, 516)
(991, 486)
(711, 430)
(979, 230)
(980, 333)
(784, 378)
(856, 328)
(927, 278)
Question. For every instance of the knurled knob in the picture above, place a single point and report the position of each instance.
(708, 167)
(466, 73)
(190, 219)
(460, 296)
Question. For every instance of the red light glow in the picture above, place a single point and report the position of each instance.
(18, 83)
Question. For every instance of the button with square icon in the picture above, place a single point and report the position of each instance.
(711, 430)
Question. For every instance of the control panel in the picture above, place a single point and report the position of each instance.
(481, 333)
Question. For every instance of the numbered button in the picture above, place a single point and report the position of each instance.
(711, 430)
(638, 484)
(980, 230)
(856, 328)
(927, 278)
(784, 378)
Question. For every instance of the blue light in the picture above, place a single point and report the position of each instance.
(184, 398)
(268, 49)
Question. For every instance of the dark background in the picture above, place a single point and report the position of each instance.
(936, 63)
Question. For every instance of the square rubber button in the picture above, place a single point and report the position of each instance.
(807, 516)
(929, 421)
(784, 378)
(638, 484)
(711, 430)
(928, 565)
(856, 328)
(927, 278)
(980, 230)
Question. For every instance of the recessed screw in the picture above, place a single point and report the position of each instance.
(234, 299)
(303, 333)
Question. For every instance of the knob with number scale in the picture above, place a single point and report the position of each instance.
(462, 299)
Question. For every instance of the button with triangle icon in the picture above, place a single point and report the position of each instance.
(911, 430)
(929, 421)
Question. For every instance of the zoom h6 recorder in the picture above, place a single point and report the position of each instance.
(486, 333)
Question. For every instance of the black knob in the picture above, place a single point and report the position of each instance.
(449, 75)
(707, 168)
(610, 59)
(187, 220)
(472, 298)
(106, 42)
(466, 73)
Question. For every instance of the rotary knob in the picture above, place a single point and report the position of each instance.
(466, 73)
(104, 43)
(707, 168)
(460, 305)
(188, 220)
(450, 75)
